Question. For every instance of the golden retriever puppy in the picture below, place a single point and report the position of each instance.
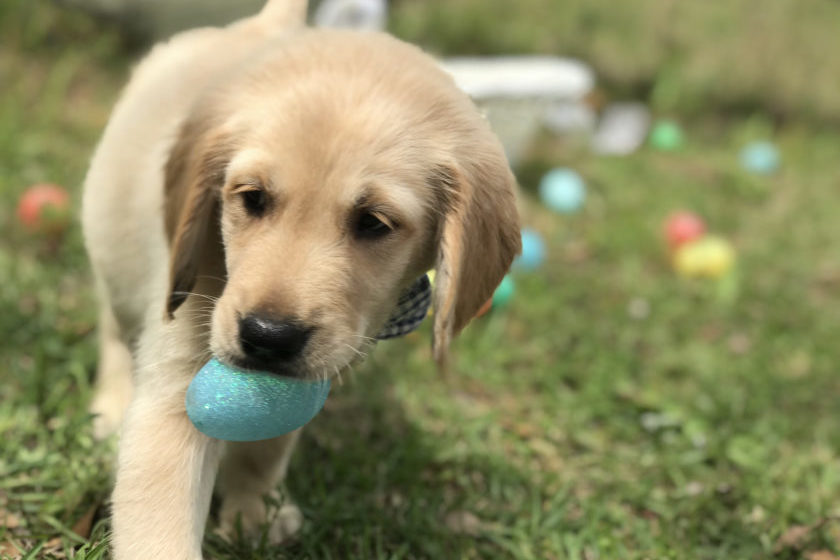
(265, 193)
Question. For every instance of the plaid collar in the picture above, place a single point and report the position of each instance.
(411, 310)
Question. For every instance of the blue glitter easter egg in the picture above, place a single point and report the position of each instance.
(562, 190)
(760, 157)
(233, 405)
(503, 293)
(533, 251)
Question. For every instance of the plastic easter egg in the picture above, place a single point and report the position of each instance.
(234, 405)
(484, 308)
(562, 190)
(500, 298)
(683, 227)
(666, 135)
(44, 207)
(533, 251)
(504, 293)
(431, 274)
(709, 257)
(760, 157)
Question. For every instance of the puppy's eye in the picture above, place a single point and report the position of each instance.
(255, 201)
(370, 225)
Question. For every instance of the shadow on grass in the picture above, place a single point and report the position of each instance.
(371, 484)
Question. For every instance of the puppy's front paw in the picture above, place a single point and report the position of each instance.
(282, 523)
(285, 524)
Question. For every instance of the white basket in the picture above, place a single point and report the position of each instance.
(516, 92)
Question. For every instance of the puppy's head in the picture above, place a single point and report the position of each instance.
(338, 167)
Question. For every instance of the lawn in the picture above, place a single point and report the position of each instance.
(612, 410)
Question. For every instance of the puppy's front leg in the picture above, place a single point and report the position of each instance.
(250, 472)
(165, 470)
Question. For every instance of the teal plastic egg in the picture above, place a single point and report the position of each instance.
(503, 293)
(235, 405)
(562, 190)
(760, 157)
(533, 251)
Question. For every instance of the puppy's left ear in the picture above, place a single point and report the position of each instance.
(479, 238)
(194, 175)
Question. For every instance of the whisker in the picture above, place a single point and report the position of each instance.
(199, 314)
(365, 338)
(357, 351)
(153, 365)
(209, 277)
(196, 294)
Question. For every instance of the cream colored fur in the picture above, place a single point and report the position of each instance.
(327, 124)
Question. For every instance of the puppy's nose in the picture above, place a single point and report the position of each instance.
(272, 341)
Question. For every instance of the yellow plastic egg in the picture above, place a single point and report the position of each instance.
(709, 257)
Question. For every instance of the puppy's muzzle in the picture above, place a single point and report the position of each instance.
(272, 343)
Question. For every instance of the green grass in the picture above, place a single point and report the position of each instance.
(575, 425)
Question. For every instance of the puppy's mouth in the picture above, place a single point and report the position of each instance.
(274, 344)
(290, 347)
(310, 366)
(281, 369)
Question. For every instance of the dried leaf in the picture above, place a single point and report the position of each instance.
(84, 524)
(822, 555)
(54, 549)
(793, 537)
(796, 535)
(9, 549)
(9, 520)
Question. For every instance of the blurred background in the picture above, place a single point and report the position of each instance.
(656, 378)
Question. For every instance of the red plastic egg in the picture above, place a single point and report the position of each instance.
(683, 227)
(44, 207)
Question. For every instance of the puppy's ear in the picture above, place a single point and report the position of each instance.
(194, 174)
(479, 238)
